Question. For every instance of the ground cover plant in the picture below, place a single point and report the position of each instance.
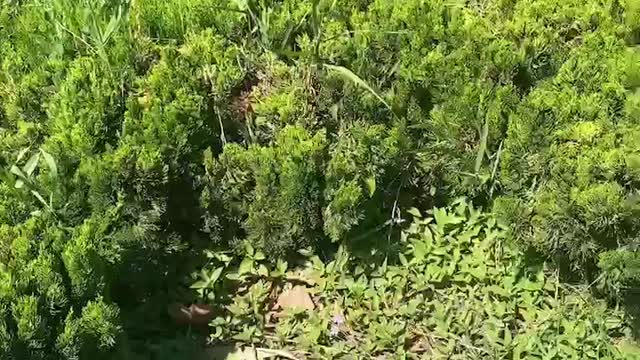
(162, 160)
(454, 289)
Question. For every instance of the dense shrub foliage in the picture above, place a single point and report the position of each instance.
(138, 136)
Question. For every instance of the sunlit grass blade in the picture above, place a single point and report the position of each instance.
(349, 75)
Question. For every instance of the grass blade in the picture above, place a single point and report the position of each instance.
(483, 144)
(349, 75)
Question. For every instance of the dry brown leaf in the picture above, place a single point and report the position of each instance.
(201, 313)
(420, 342)
(196, 314)
(420, 345)
(179, 313)
(296, 298)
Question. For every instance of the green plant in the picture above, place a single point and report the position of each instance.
(457, 287)
(275, 191)
(168, 136)
(24, 177)
(575, 138)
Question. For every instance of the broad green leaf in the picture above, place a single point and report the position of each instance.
(199, 285)
(224, 258)
(478, 272)
(246, 266)
(420, 250)
(233, 276)
(262, 270)
(51, 163)
(434, 271)
(31, 164)
(498, 290)
(526, 284)
(215, 275)
(444, 218)
(403, 259)
(248, 248)
(281, 265)
(244, 336)
(21, 176)
(415, 212)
